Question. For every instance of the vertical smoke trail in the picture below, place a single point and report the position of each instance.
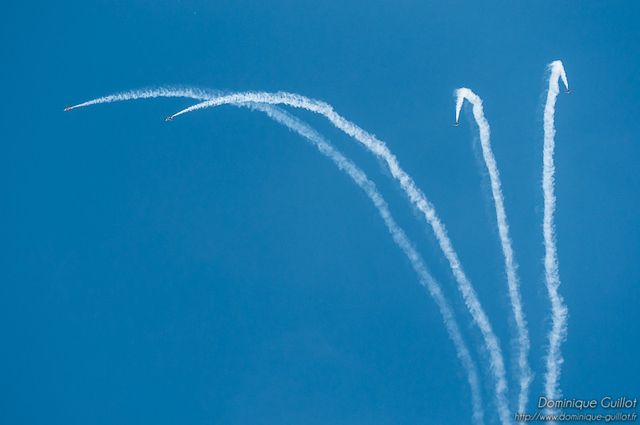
(415, 195)
(558, 308)
(507, 249)
(361, 179)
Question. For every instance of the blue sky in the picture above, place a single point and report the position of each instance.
(217, 270)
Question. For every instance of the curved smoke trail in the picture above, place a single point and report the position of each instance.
(415, 195)
(369, 187)
(505, 240)
(151, 93)
(558, 308)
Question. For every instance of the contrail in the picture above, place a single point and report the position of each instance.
(415, 195)
(558, 309)
(505, 240)
(369, 187)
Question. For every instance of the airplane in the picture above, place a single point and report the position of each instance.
(168, 118)
(67, 108)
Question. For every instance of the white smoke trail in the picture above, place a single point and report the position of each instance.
(188, 92)
(400, 238)
(505, 240)
(415, 195)
(558, 309)
(361, 179)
